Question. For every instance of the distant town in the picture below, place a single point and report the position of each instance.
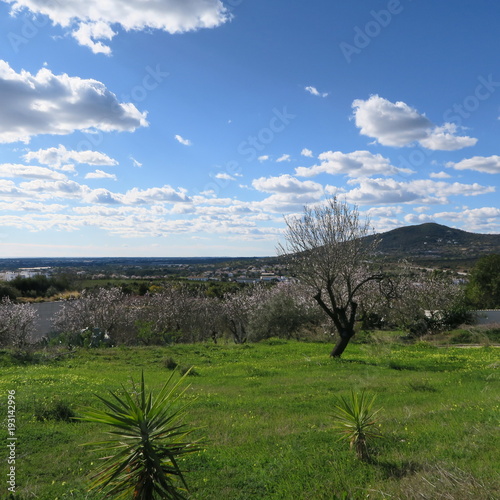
(230, 270)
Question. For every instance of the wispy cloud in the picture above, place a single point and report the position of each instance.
(283, 157)
(99, 174)
(315, 91)
(135, 163)
(185, 142)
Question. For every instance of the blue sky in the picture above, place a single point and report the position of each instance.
(192, 127)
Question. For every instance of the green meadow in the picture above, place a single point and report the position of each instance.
(264, 413)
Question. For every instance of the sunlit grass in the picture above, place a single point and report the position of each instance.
(265, 410)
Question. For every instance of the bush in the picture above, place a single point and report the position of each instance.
(53, 409)
(355, 419)
(146, 442)
(170, 363)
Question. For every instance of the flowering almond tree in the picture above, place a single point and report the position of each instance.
(17, 323)
(327, 250)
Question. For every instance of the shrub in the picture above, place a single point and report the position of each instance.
(355, 419)
(53, 409)
(146, 441)
(170, 363)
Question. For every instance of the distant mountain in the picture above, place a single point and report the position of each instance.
(436, 244)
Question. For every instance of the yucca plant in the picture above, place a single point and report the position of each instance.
(355, 418)
(146, 441)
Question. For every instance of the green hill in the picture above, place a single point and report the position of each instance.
(435, 244)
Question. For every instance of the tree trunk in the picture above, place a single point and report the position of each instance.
(340, 346)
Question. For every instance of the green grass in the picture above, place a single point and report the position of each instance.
(265, 411)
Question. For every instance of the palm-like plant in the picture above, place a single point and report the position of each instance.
(146, 442)
(356, 420)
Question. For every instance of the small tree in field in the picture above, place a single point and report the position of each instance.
(327, 252)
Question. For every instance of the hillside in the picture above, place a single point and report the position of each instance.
(435, 244)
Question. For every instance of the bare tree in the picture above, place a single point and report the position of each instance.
(327, 250)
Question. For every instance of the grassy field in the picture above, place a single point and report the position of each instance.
(265, 412)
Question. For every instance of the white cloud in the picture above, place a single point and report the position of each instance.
(384, 191)
(397, 124)
(418, 219)
(283, 157)
(488, 164)
(29, 172)
(91, 20)
(29, 206)
(484, 219)
(440, 175)
(163, 194)
(315, 91)
(286, 184)
(45, 189)
(307, 152)
(86, 33)
(99, 174)
(135, 163)
(225, 176)
(103, 196)
(46, 103)
(384, 211)
(355, 164)
(263, 158)
(185, 142)
(444, 139)
(9, 189)
(56, 157)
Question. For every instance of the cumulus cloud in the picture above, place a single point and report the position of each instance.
(484, 219)
(29, 206)
(263, 158)
(57, 157)
(485, 164)
(91, 21)
(444, 139)
(418, 218)
(45, 103)
(307, 153)
(87, 33)
(384, 191)
(185, 142)
(29, 172)
(42, 189)
(355, 164)
(99, 174)
(103, 196)
(315, 91)
(163, 194)
(286, 184)
(397, 124)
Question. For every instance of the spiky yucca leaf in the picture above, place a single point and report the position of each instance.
(147, 440)
(356, 420)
